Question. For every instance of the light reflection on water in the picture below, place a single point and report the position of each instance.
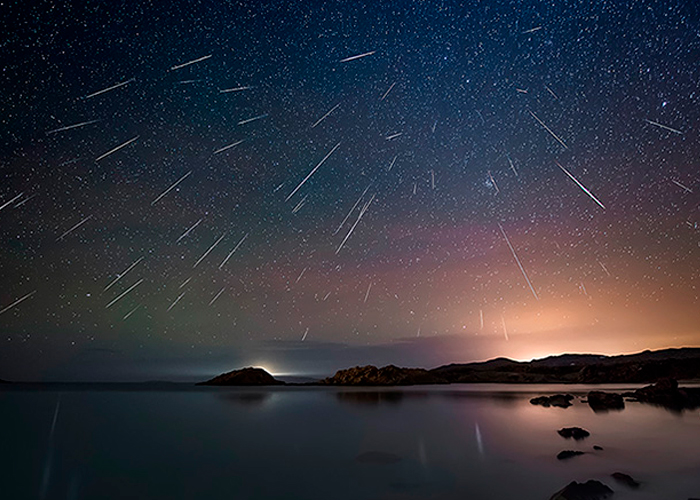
(457, 441)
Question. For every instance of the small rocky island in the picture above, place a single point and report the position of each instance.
(245, 376)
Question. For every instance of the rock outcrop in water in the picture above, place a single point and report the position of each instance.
(246, 376)
(666, 393)
(387, 375)
(566, 454)
(604, 401)
(590, 490)
(574, 432)
(625, 479)
(559, 400)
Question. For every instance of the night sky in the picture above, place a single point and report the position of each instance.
(500, 179)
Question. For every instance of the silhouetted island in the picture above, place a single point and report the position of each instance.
(643, 367)
(246, 376)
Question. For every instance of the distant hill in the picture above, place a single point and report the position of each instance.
(643, 367)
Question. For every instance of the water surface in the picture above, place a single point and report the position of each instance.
(446, 442)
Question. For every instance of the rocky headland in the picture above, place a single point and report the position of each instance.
(245, 376)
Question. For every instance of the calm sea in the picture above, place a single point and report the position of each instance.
(448, 442)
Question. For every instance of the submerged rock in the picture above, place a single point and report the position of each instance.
(566, 454)
(601, 401)
(559, 400)
(625, 479)
(246, 376)
(590, 490)
(574, 432)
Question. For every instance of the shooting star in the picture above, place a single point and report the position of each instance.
(326, 296)
(325, 116)
(16, 302)
(312, 172)
(189, 230)
(393, 136)
(300, 204)
(23, 201)
(184, 283)
(352, 209)
(581, 186)
(232, 145)
(521, 91)
(233, 251)
(300, 275)
(303, 338)
(359, 56)
(432, 179)
(548, 130)
(235, 89)
(71, 127)
(128, 315)
(74, 227)
(515, 256)
(493, 181)
(103, 91)
(194, 61)
(117, 148)
(505, 330)
(7, 203)
(170, 188)
(207, 252)
(124, 293)
(512, 166)
(217, 296)
(387, 92)
(657, 124)
(551, 92)
(177, 300)
(248, 120)
(531, 30)
(392, 163)
(682, 186)
(367, 294)
(604, 268)
(120, 276)
(362, 212)
(481, 318)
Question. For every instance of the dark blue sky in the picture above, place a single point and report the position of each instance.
(572, 125)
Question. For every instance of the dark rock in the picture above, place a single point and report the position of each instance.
(602, 401)
(666, 393)
(574, 432)
(563, 455)
(625, 479)
(387, 375)
(597, 448)
(246, 376)
(590, 490)
(560, 400)
(378, 457)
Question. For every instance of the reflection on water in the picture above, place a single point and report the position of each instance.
(447, 442)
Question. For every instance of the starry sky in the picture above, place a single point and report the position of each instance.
(306, 186)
